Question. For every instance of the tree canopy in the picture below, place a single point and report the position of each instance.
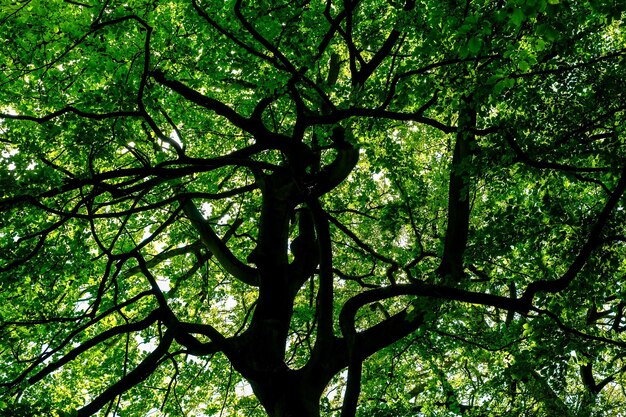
(312, 208)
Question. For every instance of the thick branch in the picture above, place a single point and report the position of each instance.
(305, 249)
(451, 266)
(333, 174)
(394, 328)
(218, 341)
(326, 293)
(219, 249)
(368, 69)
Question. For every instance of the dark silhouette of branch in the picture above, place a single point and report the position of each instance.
(593, 239)
(71, 110)
(252, 126)
(576, 332)
(234, 266)
(524, 158)
(367, 248)
(342, 114)
(95, 341)
(133, 378)
(259, 38)
(451, 267)
(228, 34)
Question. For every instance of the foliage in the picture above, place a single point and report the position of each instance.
(305, 208)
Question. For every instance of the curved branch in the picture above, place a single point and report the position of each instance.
(337, 171)
(375, 337)
(218, 341)
(590, 244)
(358, 346)
(219, 249)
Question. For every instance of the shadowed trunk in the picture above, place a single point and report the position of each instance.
(289, 396)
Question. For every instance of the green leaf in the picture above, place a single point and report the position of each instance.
(523, 65)
(198, 197)
(517, 17)
(547, 32)
(540, 45)
(474, 45)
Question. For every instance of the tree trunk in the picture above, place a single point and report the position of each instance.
(288, 396)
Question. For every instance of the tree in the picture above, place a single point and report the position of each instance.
(312, 208)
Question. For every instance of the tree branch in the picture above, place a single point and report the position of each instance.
(342, 114)
(451, 266)
(593, 239)
(524, 158)
(72, 110)
(136, 376)
(74, 353)
(252, 126)
(219, 249)
(334, 173)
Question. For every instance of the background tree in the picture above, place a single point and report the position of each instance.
(310, 208)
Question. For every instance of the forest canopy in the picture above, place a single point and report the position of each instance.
(312, 208)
